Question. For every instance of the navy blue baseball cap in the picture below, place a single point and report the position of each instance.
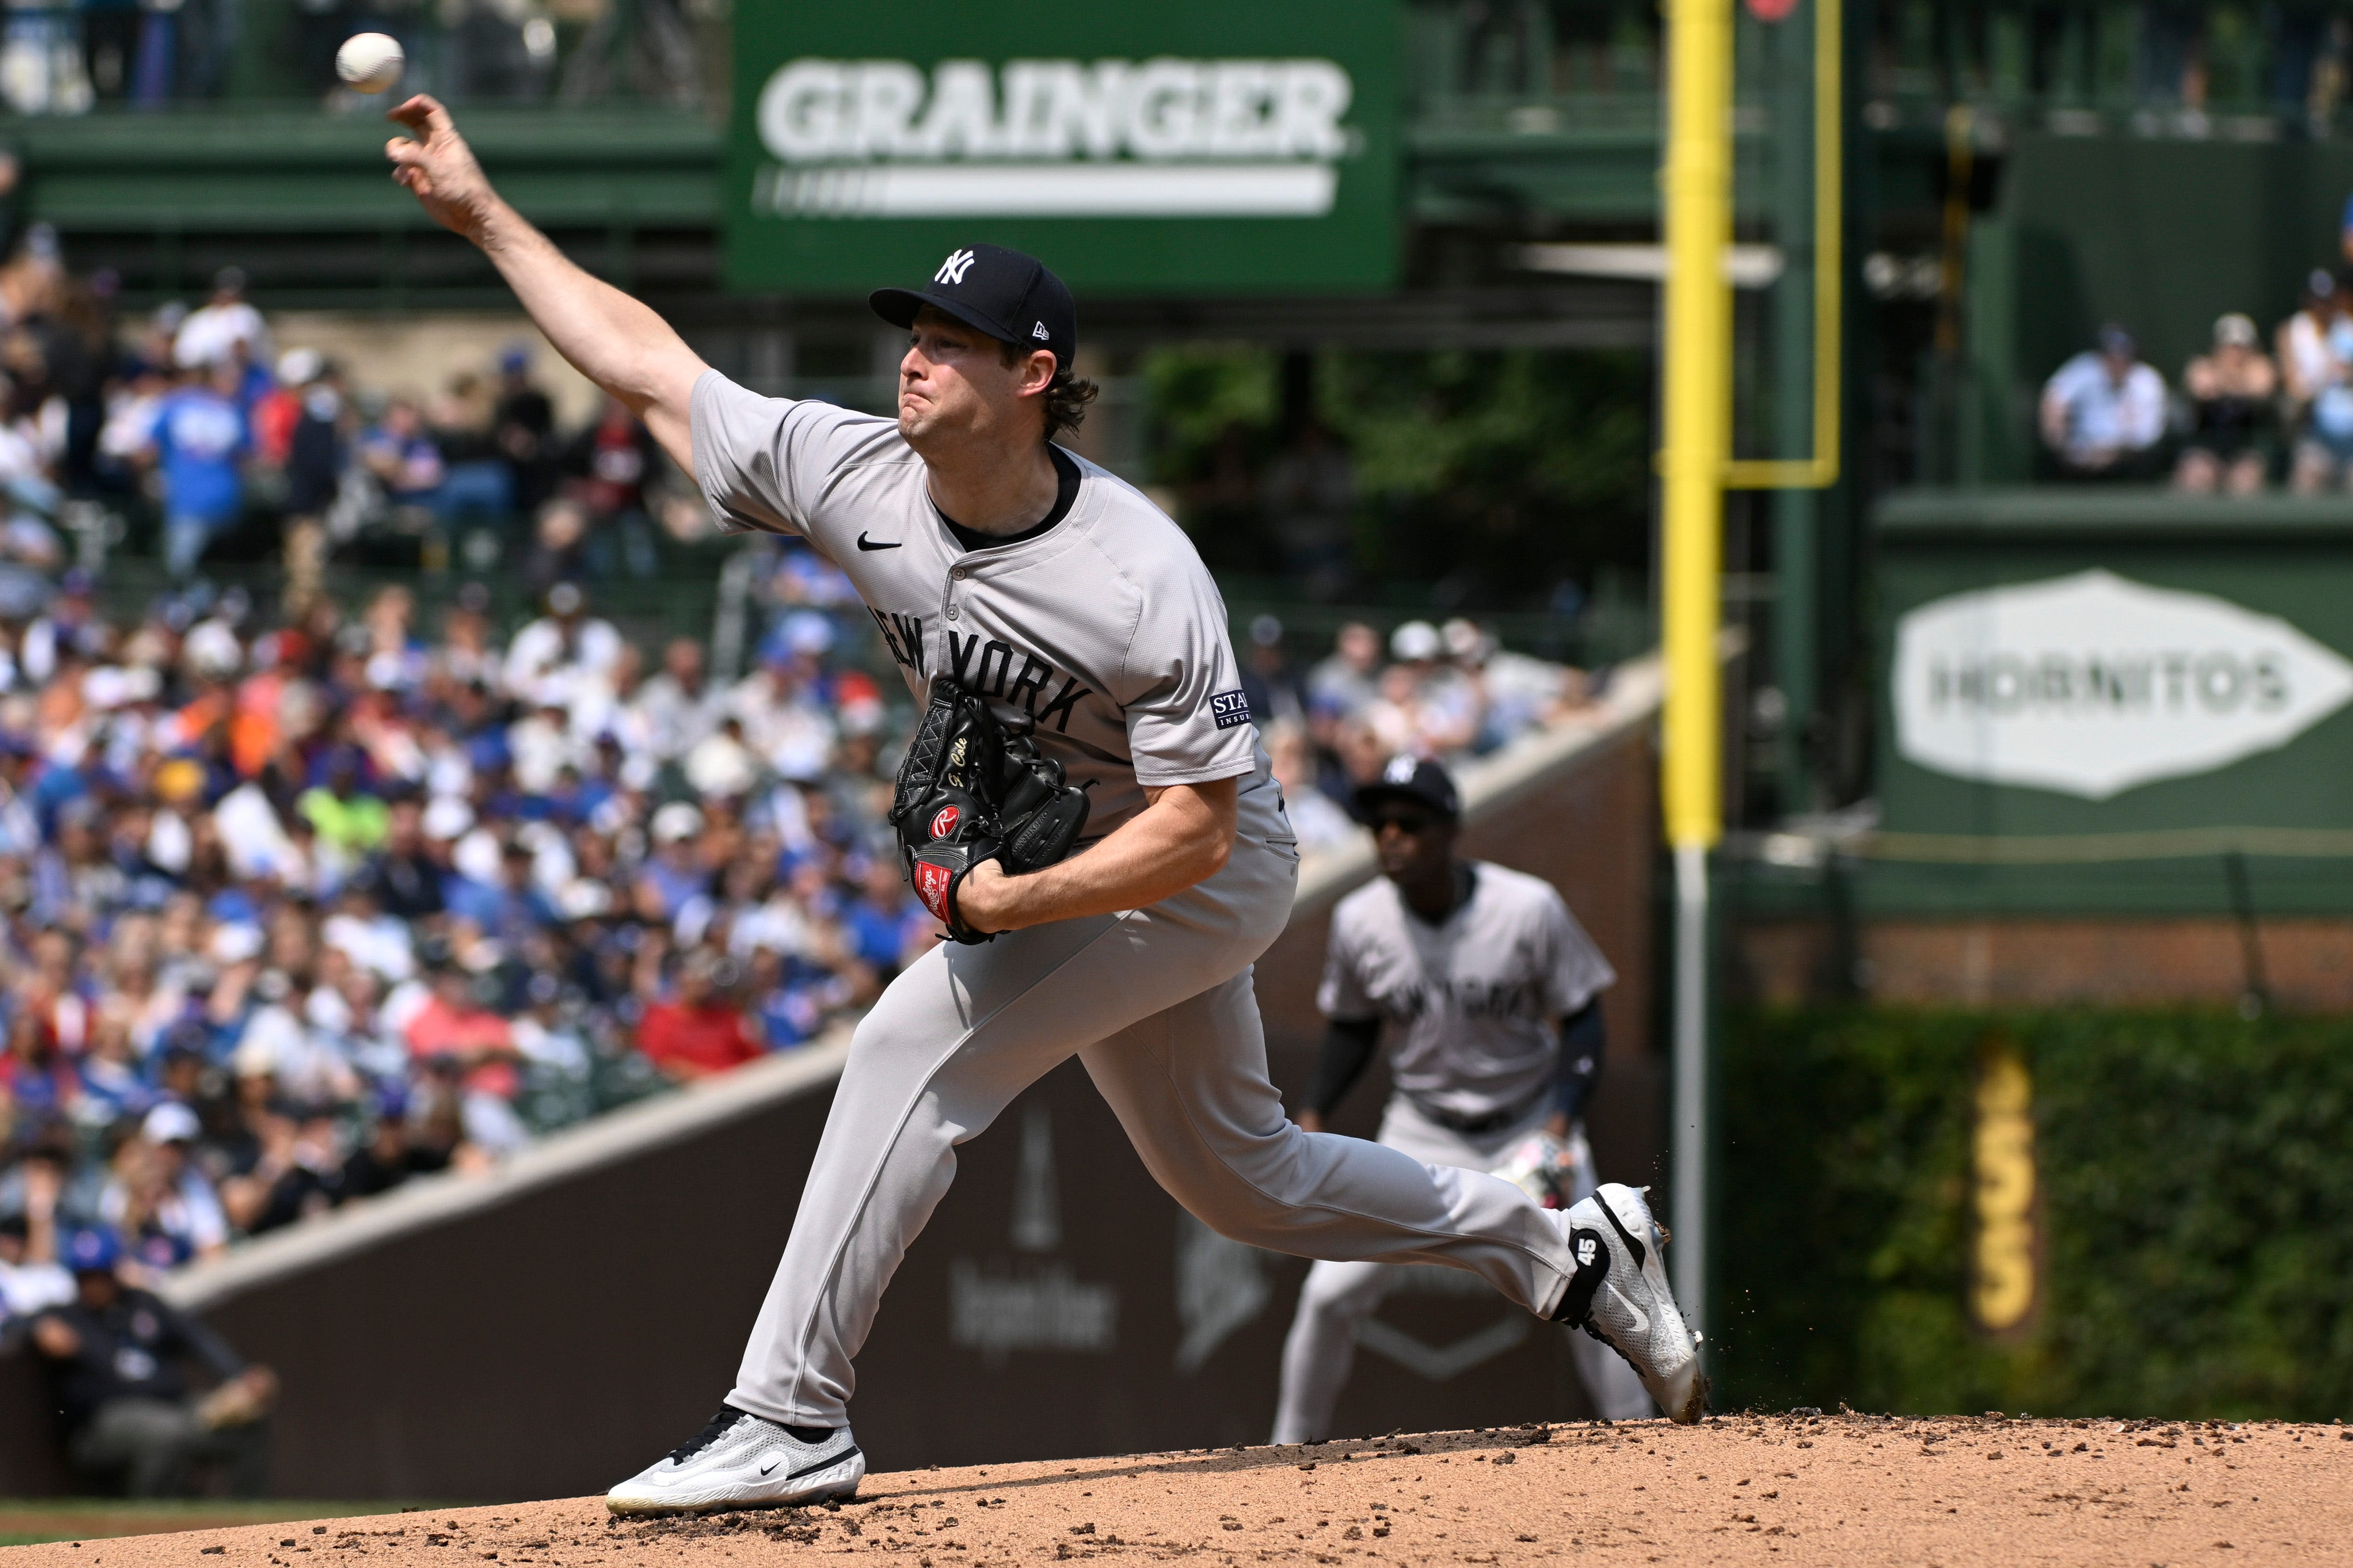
(1011, 297)
(1411, 781)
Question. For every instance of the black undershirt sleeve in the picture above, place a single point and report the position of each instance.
(1582, 1039)
(1347, 1050)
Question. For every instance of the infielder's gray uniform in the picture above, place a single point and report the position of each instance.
(1106, 631)
(1470, 1006)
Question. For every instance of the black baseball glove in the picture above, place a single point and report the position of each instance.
(972, 790)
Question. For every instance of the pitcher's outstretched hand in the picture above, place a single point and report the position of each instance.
(438, 168)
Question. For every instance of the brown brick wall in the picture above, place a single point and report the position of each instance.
(2307, 964)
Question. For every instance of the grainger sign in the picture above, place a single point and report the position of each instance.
(1214, 147)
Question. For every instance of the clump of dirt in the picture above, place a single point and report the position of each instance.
(1796, 1486)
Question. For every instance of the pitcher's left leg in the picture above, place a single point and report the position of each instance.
(1189, 1085)
(1611, 1383)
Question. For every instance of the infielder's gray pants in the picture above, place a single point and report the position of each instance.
(1157, 1003)
(151, 1446)
(1338, 1297)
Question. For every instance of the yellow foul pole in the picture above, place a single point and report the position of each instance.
(1698, 409)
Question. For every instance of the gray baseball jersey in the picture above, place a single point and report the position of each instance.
(1105, 631)
(1472, 1005)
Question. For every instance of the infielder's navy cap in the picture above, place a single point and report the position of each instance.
(1011, 297)
(1412, 780)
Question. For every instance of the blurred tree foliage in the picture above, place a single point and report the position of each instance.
(2196, 1178)
(1491, 475)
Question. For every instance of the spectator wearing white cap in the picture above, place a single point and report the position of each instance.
(1427, 707)
(674, 872)
(157, 1198)
(2232, 391)
(565, 645)
(1517, 692)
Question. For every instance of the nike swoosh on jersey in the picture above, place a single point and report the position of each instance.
(866, 543)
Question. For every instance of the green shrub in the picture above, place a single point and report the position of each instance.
(2195, 1179)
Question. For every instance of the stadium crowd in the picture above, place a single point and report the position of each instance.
(297, 911)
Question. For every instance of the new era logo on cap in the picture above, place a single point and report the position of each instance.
(953, 269)
(1040, 332)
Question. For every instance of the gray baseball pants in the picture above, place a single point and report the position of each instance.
(1339, 1296)
(1157, 1003)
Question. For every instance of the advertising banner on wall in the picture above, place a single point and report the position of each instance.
(1217, 147)
(2091, 683)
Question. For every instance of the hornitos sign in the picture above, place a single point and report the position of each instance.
(2092, 684)
(1133, 150)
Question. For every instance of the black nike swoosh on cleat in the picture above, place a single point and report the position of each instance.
(825, 1464)
(1619, 1226)
(865, 543)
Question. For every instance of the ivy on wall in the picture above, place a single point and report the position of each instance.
(2195, 1175)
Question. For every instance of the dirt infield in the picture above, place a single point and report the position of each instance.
(1739, 1490)
(87, 1519)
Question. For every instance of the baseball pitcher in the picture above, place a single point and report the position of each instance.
(1065, 640)
(1471, 966)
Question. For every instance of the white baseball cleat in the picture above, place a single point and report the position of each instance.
(741, 1460)
(1619, 1296)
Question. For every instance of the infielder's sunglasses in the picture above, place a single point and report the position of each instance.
(1413, 823)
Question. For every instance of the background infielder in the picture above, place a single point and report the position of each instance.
(1471, 966)
(990, 556)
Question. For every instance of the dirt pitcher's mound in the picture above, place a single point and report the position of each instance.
(1742, 1489)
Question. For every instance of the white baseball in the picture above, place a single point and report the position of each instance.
(370, 63)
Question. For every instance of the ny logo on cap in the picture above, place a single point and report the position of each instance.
(953, 269)
(1038, 332)
(1399, 772)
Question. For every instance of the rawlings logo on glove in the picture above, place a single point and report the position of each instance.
(971, 790)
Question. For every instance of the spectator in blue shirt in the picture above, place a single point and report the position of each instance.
(198, 442)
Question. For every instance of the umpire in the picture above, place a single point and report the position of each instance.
(1492, 995)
